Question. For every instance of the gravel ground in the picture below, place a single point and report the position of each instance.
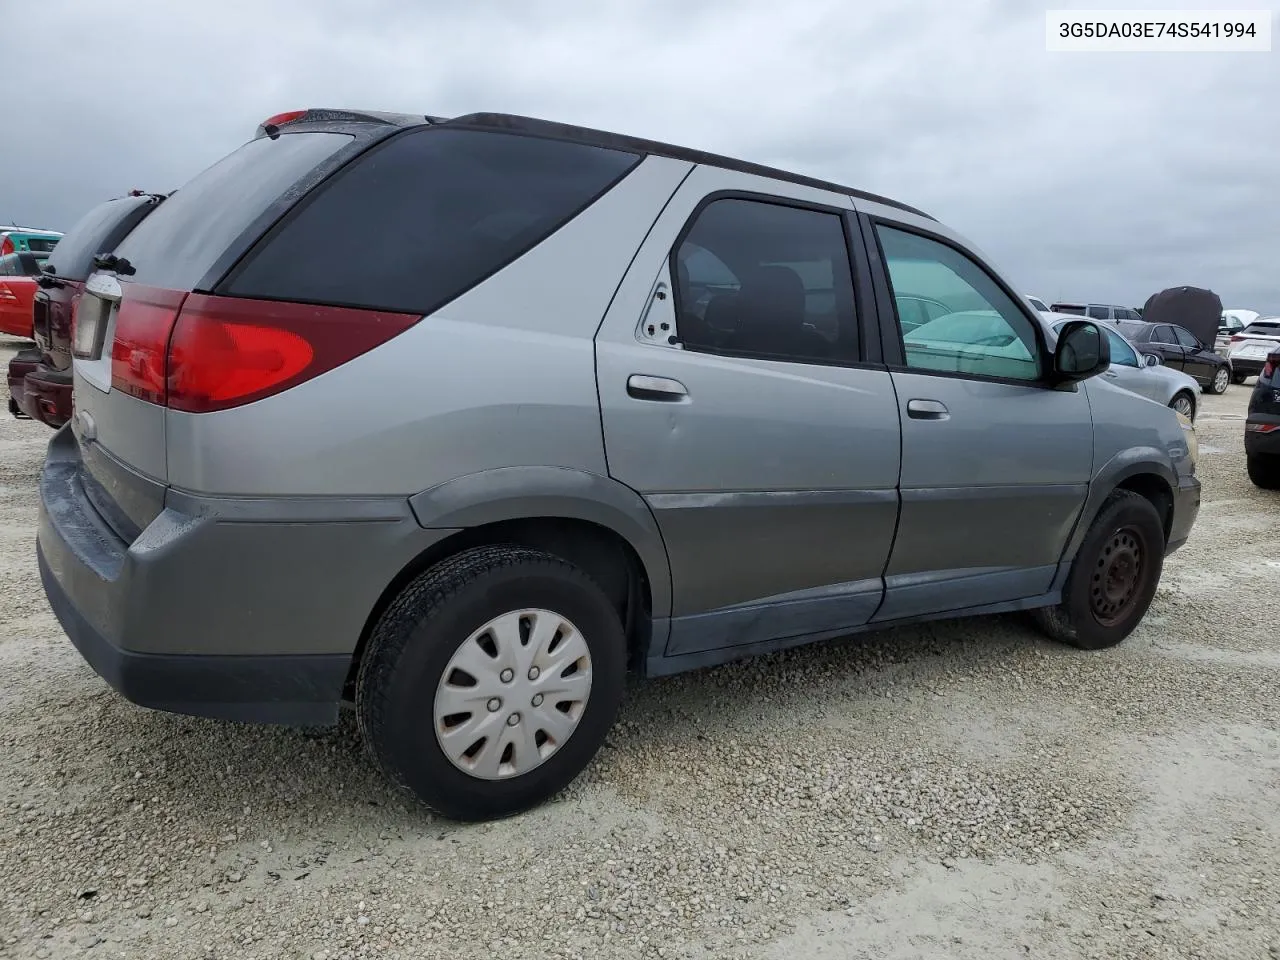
(962, 789)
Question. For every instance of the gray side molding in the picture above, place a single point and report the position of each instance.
(516, 493)
(1125, 464)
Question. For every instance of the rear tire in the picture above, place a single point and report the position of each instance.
(1113, 577)
(1221, 377)
(1239, 378)
(491, 615)
(1264, 470)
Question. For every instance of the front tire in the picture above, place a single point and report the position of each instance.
(491, 681)
(1113, 577)
(1218, 384)
(1264, 470)
(1184, 404)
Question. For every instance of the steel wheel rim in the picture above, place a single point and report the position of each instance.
(512, 694)
(1182, 405)
(1117, 576)
(1221, 378)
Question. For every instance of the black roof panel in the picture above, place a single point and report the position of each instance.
(616, 141)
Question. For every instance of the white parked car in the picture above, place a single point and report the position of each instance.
(1248, 349)
(1142, 374)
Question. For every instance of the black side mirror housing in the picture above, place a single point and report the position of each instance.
(1083, 351)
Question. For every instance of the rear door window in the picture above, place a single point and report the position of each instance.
(424, 217)
(187, 235)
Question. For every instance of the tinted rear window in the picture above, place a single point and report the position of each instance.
(1266, 329)
(41, 244)
(418, 220)
(98, 231)
(178, 244)
(1069, 308)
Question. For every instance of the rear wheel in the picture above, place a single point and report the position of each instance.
(1221, 378)
(1113, 577)
(1264, 470)
(1239, 378)
(1184, 404)
(491, 681)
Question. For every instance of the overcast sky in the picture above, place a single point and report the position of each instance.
(1098, 176)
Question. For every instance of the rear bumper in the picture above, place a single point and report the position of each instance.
(1257, 442)
(212, 612)
(47, 396)
(1186, 507)
(1247, 367)
(20, 365)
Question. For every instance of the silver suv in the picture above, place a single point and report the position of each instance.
(456, 421)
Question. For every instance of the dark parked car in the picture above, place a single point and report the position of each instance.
(1262, 426)
(40, 378)
(1179, 348)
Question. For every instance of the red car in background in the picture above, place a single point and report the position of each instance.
(18, 272)
(40, 379)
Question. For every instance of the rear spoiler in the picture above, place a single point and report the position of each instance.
(271, 126)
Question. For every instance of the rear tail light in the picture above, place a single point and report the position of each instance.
(1273, 361)
(1236, 338)
(6, 293)
(198, 353)
(6, 246)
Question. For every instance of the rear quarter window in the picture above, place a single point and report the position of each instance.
(191, 231)
(423, 217)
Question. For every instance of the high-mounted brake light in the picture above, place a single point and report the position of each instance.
(280, 119)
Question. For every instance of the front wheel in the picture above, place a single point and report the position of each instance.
(1221, 378)
(1184, 404)
(1113, 577)
(490, 683)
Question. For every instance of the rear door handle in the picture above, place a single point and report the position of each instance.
(659, 389)
(927, 410)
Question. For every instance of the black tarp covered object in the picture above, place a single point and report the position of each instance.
(1198, 310)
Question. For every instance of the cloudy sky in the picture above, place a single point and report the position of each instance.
(1097, 176)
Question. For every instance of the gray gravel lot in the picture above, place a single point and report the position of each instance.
(962, 789)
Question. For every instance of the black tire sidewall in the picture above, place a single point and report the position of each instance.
(408, 729)
(1130, 511)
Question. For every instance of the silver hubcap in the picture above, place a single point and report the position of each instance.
(512, 694)
(1183, 406)
(1220, 381)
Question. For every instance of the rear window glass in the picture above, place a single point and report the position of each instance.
(1069, 308)
(179, 243)
(98, 231)
(41, 244)
(415, 222)
(1266, 329)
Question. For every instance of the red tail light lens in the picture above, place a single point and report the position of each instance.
(227, 352)
(6, 293)
(1273, 362)
(280, 119)
(6, 246)
(1236, 338)
(143, 324)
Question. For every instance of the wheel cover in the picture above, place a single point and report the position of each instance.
(512, 694)
(1220, 379)
(1117, 577)
(1182, 405)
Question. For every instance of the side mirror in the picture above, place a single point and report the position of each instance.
(1083, 351)
(1151, 360)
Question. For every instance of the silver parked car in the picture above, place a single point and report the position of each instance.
(1144, 374)
(577, 403)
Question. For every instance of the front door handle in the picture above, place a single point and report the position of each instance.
(927, 410)
(659, 389)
